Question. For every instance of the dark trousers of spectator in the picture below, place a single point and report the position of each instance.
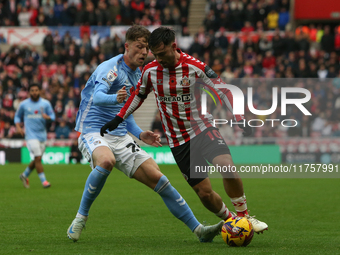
(77, 158)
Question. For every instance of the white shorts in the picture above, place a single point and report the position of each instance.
(129, 156)
(35, 147)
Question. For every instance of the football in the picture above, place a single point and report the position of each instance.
(237, 231)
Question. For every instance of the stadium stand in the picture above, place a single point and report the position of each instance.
(238, 39)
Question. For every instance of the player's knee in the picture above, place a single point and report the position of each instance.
(157, 168)
(107, 163)
(226, 163)
(223, 160)
(205, 194)
(162, 183)
(37, 159)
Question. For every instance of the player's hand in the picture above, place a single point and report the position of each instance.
(44, 115)
(247, 130)
(20, 131)
(150, 138)
(121, 95)
(111, 125)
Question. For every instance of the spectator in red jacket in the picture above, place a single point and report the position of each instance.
(269, 61)
(247, 27)
(337, 39)
(137, 8)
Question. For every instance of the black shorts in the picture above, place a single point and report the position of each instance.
(204, 148)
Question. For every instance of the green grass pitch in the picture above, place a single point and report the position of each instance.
(129, 218)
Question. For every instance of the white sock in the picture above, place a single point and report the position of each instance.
(197, 230)
(223, 213)
(240, 203)
(81, 216)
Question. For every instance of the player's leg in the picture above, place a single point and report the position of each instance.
(217, 152)
(29, 168)
(31, 165)
(102, 161)
(149, 174)
(211, 199)
(34, 149)
(234, 188)
(136, 163)
(24, 176)
(40, 171)
(200, 183)
(232, 182)
(38, 152)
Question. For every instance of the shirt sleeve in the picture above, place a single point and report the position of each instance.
(210, 78)
(132, 126)
(136, 99)
(100, 96)
(103, 80)
(18, 117)
(50, 112)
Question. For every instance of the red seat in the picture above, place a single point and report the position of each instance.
(51, 135)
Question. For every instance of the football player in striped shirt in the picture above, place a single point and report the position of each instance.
(173, 76)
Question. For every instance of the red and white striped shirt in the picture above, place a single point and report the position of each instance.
(178, 97)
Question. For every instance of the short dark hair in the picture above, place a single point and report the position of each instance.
(135, 32)
(163, 35)
(34, 85)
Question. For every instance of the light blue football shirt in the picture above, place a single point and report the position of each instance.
(99, 100)
(30, 112)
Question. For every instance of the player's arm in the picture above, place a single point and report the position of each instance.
(132, 127)
(212, 79)
(18, 117)
(133, 103)
(103, 82)
(147, 137)
(49, 115)
(136, 99)
(101, 98)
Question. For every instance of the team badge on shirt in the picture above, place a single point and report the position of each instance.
(185, 82)
(111, 76)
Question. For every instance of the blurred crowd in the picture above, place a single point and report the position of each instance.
(66, 63)
(93, 13)
(253, 39)
(247, 15)
(323, 106)
(278, 54)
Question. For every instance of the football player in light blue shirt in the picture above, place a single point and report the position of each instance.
(34, 112)
(101, 99)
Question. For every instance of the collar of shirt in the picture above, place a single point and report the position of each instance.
(35, 101)
(128, 69)
(180, 59)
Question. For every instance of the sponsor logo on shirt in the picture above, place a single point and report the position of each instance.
(104, 79)
(181, 98)
(34, 116)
